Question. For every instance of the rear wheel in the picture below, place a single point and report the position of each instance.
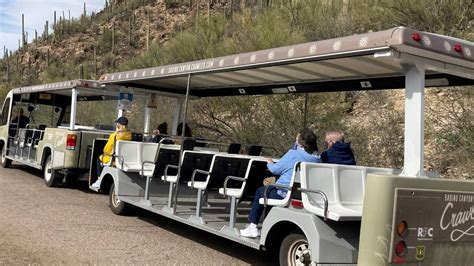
(6, 163)
(116, 205)
(51, 178)
(294, 250)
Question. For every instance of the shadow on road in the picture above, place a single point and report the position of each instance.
(233, 249)
(80, 185)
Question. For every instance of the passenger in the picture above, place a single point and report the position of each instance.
(179, 131)
(306, 146)
(158, 133)
(20, 119)
(187, 130)
(121, 133)
(337, 151)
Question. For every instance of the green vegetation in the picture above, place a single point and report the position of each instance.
(368, 118)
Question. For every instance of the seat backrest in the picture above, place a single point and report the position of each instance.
(22, 133)
(234, 148)
(137, 137)
(350, 183)
(29, 133)
(128, 151)
(258, 172)
(166, 155)
(193, 160)
(227, 166)
(189, 144)
(319, 177)
(254, 150)
(344, 186)
(37, 134)
(148, 151)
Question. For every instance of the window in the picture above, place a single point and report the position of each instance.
(5, 110)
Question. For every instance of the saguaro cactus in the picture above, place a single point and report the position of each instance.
(147, 30)
(23, 41)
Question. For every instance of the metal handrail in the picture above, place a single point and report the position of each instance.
(143, 167)
(242, 179)
(325, 198)
(265, 196)
(166, 170)
(193, 176)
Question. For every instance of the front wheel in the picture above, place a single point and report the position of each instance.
(294, 250)
(6, 163)
(116, 205)
(51, 178)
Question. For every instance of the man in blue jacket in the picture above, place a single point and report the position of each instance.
(337, 151)
(306, 145)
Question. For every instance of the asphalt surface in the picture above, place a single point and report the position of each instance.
(72, 225)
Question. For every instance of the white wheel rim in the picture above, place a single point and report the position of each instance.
(297, 251)
(115, 199)
(47, 171)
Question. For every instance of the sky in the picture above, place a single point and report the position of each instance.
(36, 13)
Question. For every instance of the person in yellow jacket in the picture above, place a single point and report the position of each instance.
(121, 133)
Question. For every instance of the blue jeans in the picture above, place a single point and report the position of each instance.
(257, 208)
(99, 167)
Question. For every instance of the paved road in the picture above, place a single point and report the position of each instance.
(71, 225)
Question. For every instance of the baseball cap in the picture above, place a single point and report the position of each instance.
(122, 120)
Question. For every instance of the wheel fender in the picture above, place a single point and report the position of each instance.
(299, 219)
(42, 158)
(110, 171)
(326, 245)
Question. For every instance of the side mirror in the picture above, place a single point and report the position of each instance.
(31, 108)
(57, 109)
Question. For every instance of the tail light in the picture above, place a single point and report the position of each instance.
(416, 36)
(400, 248)
(71, 142)
(457, 48)
(298, 204)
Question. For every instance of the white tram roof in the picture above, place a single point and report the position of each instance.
(58, 86)
(360, 62)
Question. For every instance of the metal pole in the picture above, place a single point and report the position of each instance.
(182, 142)
(305, 109)
(73, 109)
(414, 120)
(146, 127)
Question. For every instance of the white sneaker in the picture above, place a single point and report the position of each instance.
(250, 231)
(96, 185)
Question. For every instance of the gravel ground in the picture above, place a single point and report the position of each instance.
(72, 225)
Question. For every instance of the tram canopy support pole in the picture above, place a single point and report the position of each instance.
(183, 130)
(72, 119)
(414, 120)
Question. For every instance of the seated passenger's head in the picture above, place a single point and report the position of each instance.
(163, 128)
(121, 122)
(333, 137)
(19, 111)
(307, 140)
(187, 130)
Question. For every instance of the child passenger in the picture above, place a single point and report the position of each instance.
(305, 147)
(337, 151)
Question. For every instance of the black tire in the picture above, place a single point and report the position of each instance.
(6, 163)
(117, 206)
(51, 178)
(294, 250)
